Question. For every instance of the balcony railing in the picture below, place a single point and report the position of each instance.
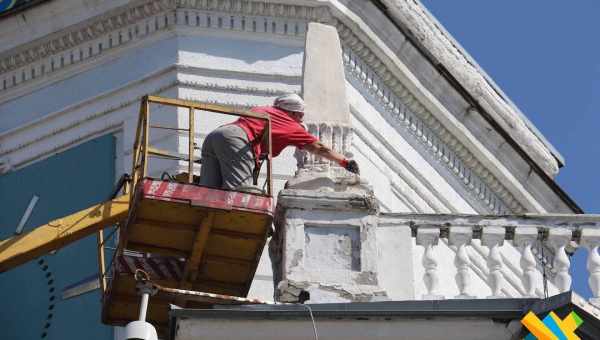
(562, 235)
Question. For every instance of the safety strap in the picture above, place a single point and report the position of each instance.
(261, 158)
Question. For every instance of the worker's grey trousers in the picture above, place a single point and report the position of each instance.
(227, 158)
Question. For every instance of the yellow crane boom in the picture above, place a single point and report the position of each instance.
(55, 234)
(181, 234)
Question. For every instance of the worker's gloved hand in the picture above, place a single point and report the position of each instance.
(350, 165)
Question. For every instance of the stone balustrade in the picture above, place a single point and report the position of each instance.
(559, 235)
(409, 256)
(335, 135)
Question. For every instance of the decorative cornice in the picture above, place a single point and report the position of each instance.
(399, 104)
(213, 87)
(234, 89)
(121, 26)
(81, 33)
(261, 8)
(122, 17)
(427, 32)
(407, 113)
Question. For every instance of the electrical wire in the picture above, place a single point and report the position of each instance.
(310, 313)
(124, 179)
(544, 276)
(312, 318)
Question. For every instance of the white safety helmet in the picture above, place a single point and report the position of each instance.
(290, 102)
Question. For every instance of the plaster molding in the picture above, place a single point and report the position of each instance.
(308, 10)
(363, 200)
(407, 114)
(92, 38)
(81, 33)
(426, 31)
(72, 125)
(399, 103)
(404, 196)
(419, 194)
(233, 89)
(55, 148)
(114, 107)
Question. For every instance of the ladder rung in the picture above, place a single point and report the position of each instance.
(167, 128)
(165, 154)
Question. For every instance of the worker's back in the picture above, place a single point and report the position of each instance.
(285, 131)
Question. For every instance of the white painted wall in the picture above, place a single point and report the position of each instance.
(100, 93)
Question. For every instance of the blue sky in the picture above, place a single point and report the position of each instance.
(546, 57)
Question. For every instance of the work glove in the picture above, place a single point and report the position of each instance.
(350, 165)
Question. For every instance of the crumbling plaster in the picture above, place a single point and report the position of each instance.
(387, 264)
(326, 244)
(195, 74)
(363, 28)
(412, 14)
(293, 15)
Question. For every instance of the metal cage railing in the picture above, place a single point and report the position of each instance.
(142, 151)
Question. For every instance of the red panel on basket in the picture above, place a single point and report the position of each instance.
(205, 197)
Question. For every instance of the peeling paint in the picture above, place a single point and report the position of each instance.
(297, 259)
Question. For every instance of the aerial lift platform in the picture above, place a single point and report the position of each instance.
(191, 241)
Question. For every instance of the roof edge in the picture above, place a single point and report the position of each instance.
(436, 45)
(497, 309)
(557, 155)
(430, 35)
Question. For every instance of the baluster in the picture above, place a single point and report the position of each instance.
(559, 238)
(493, 238)
(301, 155)
(428, 237)
(590, 238)
(336, 139)
(347, 141)
(325, 138)
(313, 128)
(461, 237)
(524, 239)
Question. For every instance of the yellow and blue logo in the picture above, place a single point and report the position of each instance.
(552, 327)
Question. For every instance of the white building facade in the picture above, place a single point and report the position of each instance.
(384, 83)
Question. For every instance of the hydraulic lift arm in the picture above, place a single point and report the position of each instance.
(56, 234)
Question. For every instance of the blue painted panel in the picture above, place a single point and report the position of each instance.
(30, 296)
(10, 7)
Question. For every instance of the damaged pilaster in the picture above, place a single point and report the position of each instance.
(325, 241)
(325, 247)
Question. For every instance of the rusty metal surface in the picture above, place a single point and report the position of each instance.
(163, 220)
(163, 268)
(206, 197)
(220, 299)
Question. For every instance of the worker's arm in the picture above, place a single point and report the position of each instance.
(320, 149)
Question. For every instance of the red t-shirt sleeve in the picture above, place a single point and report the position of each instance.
(299, 137)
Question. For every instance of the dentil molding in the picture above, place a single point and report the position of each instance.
(121, 25)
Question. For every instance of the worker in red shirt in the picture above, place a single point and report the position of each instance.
(231, 152)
